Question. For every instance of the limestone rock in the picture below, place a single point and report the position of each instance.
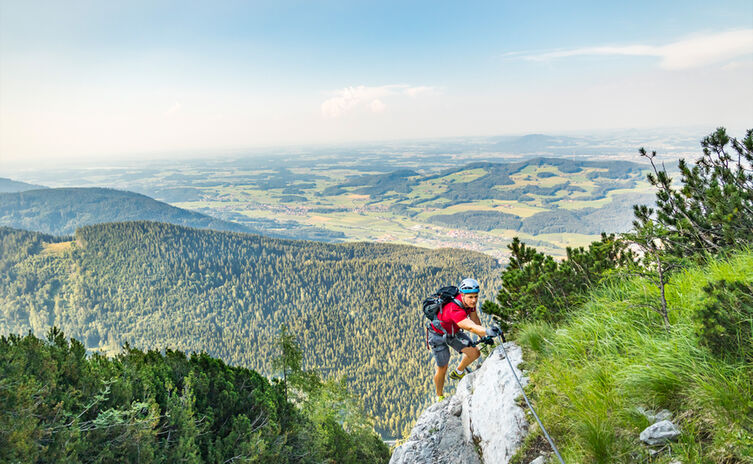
(482, 416)
(664, 414)
(659, 433)
(538, 460)
(437, 437)
(496, 422)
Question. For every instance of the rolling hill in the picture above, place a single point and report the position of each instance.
(9, 186)
(61, 211)
(405, 197)
(478, 205)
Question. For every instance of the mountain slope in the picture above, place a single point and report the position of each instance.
(354, 307)
(608, 374)
(10, 185)
(61, 211)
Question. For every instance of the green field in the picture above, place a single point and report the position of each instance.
(366, 205)
(432, 201)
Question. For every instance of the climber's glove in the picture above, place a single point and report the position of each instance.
(493, 331)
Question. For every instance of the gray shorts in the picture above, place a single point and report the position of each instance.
(441, 349)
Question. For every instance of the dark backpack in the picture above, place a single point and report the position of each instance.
(434, 303)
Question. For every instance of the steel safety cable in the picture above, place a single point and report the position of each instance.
(549, 439)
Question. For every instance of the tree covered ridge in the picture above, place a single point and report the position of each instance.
(353, 307)
(61, 406)
(62, 210)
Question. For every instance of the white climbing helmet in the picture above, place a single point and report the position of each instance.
(469, 286)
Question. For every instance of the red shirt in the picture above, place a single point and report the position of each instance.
(451, 314)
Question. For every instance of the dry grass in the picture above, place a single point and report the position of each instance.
(56, 248)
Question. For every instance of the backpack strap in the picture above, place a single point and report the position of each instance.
(437, 324)
(460, 305)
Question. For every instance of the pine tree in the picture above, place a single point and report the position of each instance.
(713, 209)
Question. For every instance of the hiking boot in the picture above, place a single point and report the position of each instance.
(440, 399)
(457, 376)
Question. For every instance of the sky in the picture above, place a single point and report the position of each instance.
(100, 79)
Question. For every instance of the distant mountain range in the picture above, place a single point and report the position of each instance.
(61, 211)
(9, 186)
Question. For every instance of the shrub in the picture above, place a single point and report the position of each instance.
(725, 320)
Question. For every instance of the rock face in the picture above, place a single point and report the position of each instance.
(481, 423)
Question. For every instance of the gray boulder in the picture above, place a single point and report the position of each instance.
(437, 437)
(659, 433)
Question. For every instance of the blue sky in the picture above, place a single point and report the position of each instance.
(94, 79)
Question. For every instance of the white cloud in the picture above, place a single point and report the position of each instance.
(173, 109)
(683, 54)
(348, 99)
(377, 106)
(420, 90)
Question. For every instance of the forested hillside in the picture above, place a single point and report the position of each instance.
(354, 307)
(58, 405)
(62, 210)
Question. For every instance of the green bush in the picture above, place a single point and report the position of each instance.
(725, 320)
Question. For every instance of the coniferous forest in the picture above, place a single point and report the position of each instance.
(354, 308)
(59, 405)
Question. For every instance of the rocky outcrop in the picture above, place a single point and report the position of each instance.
(481, 423)
(659, 433)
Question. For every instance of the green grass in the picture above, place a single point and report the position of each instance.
(567, 239)
(428, 189)
(503, 206)
(465, 176)
(591, 374)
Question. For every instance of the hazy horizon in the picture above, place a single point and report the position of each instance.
(613, 142)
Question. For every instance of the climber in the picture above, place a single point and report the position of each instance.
(460, 313)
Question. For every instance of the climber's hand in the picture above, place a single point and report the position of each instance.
(493, 331)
